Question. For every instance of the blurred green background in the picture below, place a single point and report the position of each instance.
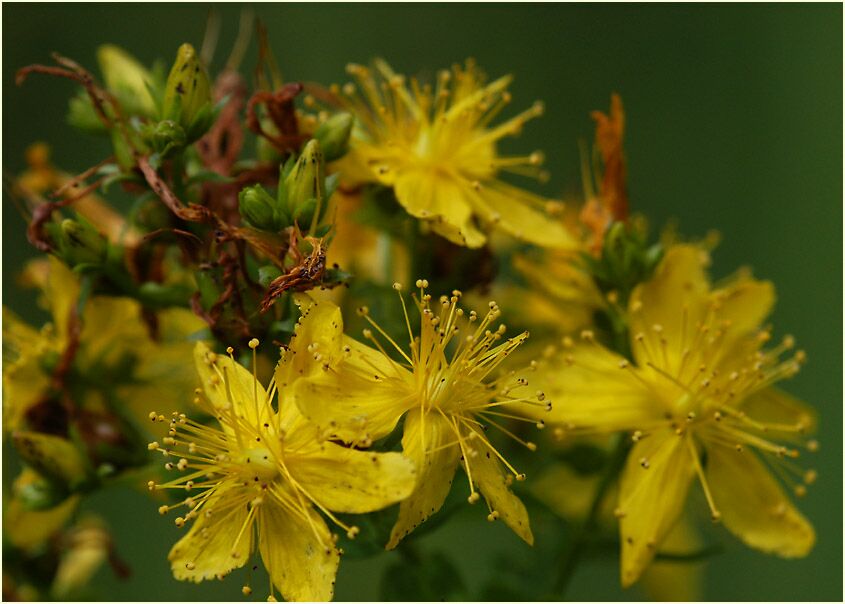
(734, 122)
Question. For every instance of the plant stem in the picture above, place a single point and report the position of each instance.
(569, 557)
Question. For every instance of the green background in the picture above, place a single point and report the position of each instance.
(734, 122)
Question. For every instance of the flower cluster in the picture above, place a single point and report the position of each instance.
(294, 258)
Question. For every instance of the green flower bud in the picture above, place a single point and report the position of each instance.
(257, 207)
(306, 182)
(333, 135)
(165, 136)
(40, 494)
(81, 243)
(127, 79)
(188, 89)
(267, 273)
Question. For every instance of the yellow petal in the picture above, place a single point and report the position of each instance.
(176, 325)
(88, 548)
(780, 410)
(427, 195)
(590, 386)
(212, 547)
(489, 475)
(430, 442)
(565, 492)
(111, 329)
(19, 339)
(60, 287)
(353, 481)
(667, 309)
(298, 553)
(745, 303)
(754, 506)
(652, 494)
(28, 529)
(517, 212)
(316, 342)
(226, 382)
(163, 381)
(668, 581)
(360, 399)
(24, 383)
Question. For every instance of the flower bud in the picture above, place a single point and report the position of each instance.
(127, 79)
(87, 548)
(81, 243)
(304, 186)
(188, 91)
(257, 207)
(39, 493)
(165, 136)
(333, 135)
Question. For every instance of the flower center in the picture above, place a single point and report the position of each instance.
(259, 463)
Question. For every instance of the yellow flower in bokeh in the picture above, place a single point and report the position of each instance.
(558, 297)
(110, 337)
(42, 178)
(699, 402)
(570, 495)
(361, 249)
(257, 481)
(29, 529)
(445, 385)
(437, 149)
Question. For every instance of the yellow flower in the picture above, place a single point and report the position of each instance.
(700, 403)
(27, 528)
(442, 386)
(126, 78)
(86, 547)
(558, 297)
(361, 249)
(42, 177)
(570, 495)
(437, 150)
(111, 331)
(258, 480)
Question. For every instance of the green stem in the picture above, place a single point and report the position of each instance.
(568, 560)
